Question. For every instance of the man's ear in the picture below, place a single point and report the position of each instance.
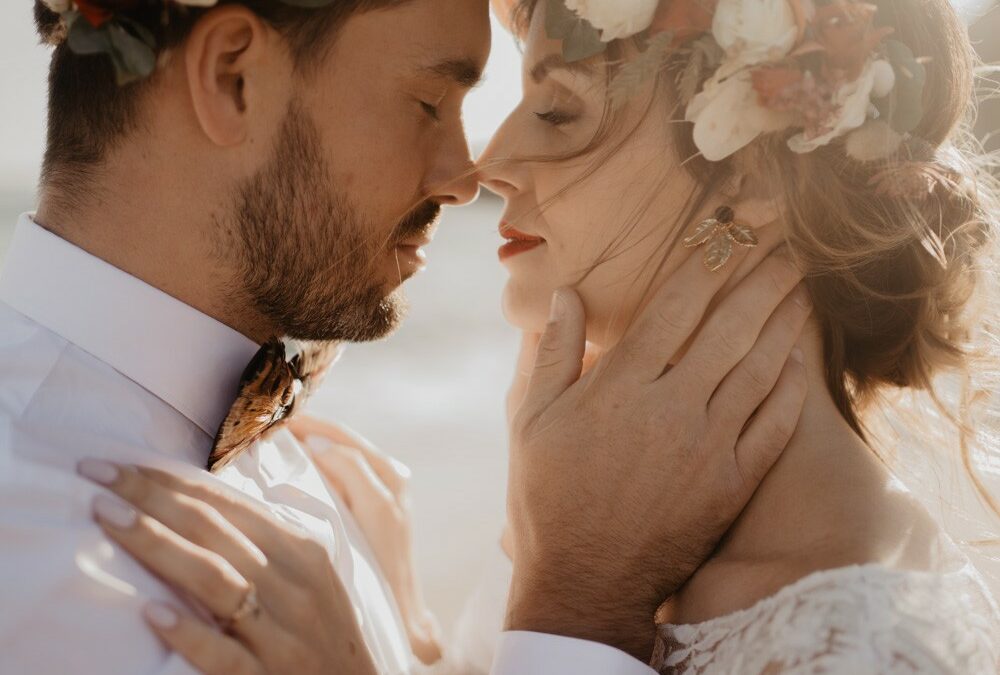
(221, 51)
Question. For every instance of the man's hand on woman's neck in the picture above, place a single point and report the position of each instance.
(828, 502)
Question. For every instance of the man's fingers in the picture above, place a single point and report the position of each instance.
(205, 648)
(773, 426)
(751, 382)
(522, 371)
(526, 355)
(731, 331)
(559, 360)
(674, 313)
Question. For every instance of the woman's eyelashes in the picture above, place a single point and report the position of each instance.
(556, 118)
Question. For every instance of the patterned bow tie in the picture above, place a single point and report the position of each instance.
(273, 387)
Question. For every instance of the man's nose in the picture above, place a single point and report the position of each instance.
(456, 180)
(460, 189)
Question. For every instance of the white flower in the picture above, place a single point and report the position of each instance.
(872, 141)
(58, 6)
(728, 116)
(853, 102)
(616, 19)
(885, 79)
(753, 31)
(198, 3)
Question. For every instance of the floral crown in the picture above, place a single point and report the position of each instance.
(752, 67)
(104, 27)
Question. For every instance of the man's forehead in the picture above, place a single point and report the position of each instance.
(443, 39)
(451, 38)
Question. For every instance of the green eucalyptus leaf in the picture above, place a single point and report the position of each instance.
(85, 39)
(128, 45)
(132, 58)
(583, 42)
(139, 31)
(559, 20)
(123, 75)
(580, 39)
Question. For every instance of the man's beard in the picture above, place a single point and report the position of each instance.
(309, 261)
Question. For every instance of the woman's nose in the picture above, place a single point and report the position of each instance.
(498, 169)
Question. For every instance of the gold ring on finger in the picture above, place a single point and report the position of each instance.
(249, 608)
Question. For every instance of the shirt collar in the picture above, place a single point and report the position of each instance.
(184, 357)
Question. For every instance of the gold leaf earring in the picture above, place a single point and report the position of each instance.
(720, 232)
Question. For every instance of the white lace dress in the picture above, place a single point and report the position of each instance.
(858, 620)
(848, 621)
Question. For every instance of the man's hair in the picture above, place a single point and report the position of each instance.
(89, 112)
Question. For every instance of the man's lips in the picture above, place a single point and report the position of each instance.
(517, 241)
(418, 242)
(409, 252)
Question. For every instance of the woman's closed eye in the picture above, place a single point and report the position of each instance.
(556, 117)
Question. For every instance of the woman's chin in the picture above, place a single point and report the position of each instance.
(526, 309)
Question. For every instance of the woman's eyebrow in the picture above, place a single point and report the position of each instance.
(552, 62)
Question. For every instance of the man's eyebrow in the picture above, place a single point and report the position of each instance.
(555, 62)
(464, 72)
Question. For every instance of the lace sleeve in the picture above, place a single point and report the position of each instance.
(850, 621)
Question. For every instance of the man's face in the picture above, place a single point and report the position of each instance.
(371, 146)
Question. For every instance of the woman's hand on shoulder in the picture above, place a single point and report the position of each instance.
(375, 487)
(278, 603)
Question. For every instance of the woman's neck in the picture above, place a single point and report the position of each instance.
(809, 491)
(828, 502)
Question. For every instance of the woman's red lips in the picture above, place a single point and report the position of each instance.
(517, 242)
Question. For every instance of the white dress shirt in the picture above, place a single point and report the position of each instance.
(97, 363)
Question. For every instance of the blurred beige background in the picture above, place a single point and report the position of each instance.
(432, 395)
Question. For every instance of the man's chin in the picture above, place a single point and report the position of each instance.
(383, 320)
(367, 318)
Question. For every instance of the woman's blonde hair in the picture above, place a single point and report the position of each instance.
(900, 254)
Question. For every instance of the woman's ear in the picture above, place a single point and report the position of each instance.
(732, 188)
(220, 56)
(750, 200)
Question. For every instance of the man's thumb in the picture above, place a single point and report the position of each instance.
(559, 361)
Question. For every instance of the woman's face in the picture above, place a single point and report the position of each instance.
(601, 223)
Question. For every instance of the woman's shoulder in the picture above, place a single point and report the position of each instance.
(854, 619)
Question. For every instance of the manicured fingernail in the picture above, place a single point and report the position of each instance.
(160, 615)
(798, 355)
(402, 469)
(98, 471)
(114, 512)
(558, 310)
